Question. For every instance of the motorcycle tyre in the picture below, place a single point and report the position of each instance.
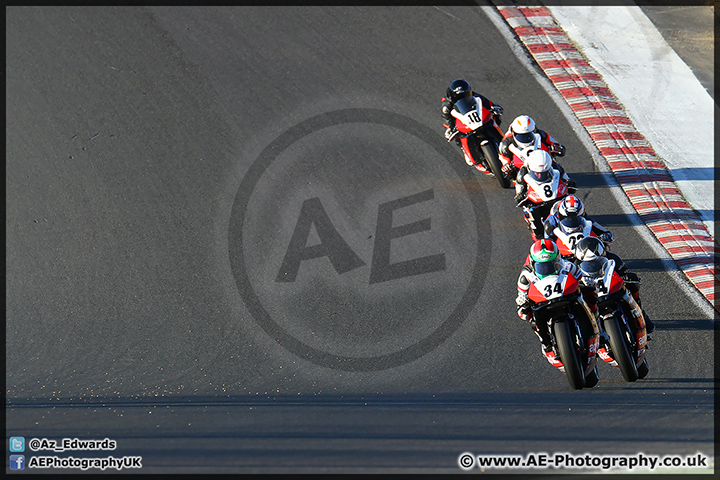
(620, 351)
(643, 369)
(493, 161)
(592, 378)
(568, 354)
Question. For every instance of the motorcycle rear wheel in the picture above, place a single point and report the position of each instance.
(620, 351)
(568, 354)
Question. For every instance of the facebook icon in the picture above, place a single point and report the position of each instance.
(17, 462)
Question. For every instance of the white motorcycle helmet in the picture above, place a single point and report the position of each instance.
(570, 206)
(523, 128)
(570, 211)
(539, 164)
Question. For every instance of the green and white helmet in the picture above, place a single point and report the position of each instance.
(545, 258)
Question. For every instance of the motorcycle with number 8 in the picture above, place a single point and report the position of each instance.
(543, 190)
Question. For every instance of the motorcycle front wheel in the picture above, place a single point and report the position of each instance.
(569, 355)
(493, 161)
(592, 378)
(620, 351)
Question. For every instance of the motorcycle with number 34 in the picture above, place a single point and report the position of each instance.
(557, 302)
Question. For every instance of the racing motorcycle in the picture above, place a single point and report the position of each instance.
(558, 303)
(479, 137)
(541, 195)
(624, 338)
(569, 232)
(520, 154)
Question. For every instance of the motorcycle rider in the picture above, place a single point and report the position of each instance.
(545, 259)
(566, 211)
(519, 136)
(590, 248)
(458, 89)
(539, 165)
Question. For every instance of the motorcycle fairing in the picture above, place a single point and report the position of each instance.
(477, 162)
(552, 287)
(470, 114)
(539, 192)
(520, 155)
(607, 282)
(567, 242)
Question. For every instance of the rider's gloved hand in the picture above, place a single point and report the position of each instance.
(519, 197)
(557, 149)
(548, 230)
(607, 237)
(571, 183)
(631, 276)
(497, 114)
(508, 169)
(525, 313)
(449, 133)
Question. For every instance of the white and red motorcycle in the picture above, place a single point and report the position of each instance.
(624, 337)
(479, 137)
(520, 155)
(545, 186)
(569, 232)
(557, 302)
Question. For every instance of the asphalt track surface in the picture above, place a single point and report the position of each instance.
(159, 163)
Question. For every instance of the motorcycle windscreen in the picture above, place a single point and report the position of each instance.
(594, 268)
(465, 105)
(572, 224)
(543, 269)
(525, 138)
(541, 177)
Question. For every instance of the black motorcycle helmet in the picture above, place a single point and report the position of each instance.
(458, 89)
(589, 248)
